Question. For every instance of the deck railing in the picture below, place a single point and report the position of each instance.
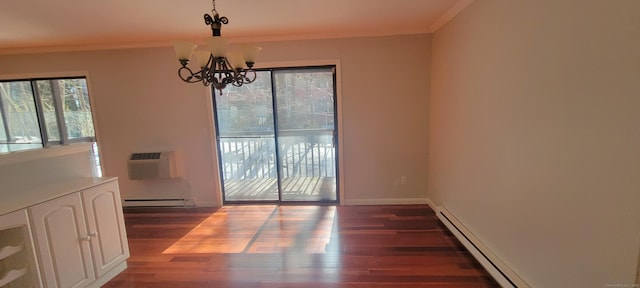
(303, 153)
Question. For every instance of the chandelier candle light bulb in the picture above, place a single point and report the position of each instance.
(217, 66)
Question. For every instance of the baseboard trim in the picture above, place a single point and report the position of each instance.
(387, 201)
(499, 270)
(638, 267)
(432, 205)
(207, 204)
(177, 202)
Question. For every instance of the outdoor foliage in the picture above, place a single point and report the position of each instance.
(20, 116)
(304, 101)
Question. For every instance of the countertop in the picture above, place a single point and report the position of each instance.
(23, 199)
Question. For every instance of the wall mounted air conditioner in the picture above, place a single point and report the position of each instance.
(152, 165)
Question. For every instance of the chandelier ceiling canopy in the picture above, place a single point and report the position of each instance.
(217, 67)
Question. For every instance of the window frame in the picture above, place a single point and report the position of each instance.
(46, 142)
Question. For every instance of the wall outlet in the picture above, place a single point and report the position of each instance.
(403, 180)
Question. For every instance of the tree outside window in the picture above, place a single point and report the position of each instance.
(44, 112)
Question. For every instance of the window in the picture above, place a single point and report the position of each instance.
(277, 137)
(36, 113)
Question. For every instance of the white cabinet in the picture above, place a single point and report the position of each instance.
(80, 238)
(62, 242)
(103, 209)
(17, 263)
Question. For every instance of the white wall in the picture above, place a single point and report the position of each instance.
(140, 104)
(384, 112)
(27, 170)
(535, 136)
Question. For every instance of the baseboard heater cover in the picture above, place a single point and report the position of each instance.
(496, 267)
(172, 202)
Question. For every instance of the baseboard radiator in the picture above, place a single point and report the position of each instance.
(498, 269)
(169, 202)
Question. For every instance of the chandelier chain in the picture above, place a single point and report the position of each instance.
(214, 11)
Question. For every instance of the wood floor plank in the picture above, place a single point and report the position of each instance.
(295, 246)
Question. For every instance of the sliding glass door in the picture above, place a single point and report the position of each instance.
(293, 110)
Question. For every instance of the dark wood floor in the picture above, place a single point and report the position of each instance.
(295, 246)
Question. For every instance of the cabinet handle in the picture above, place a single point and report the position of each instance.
(88, 237)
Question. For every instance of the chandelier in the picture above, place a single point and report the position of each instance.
(218, 67)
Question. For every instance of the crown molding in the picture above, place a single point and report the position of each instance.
(439, 23)
(232, 40)
(450, 14)
(82, 47)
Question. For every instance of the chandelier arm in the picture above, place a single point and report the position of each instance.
(207, 72)
(190, 77)
(238, 78)
(206, 78)
(230, 76)
(249, 75)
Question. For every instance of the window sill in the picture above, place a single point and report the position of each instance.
(29, 155)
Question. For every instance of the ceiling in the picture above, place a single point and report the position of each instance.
(61, 25)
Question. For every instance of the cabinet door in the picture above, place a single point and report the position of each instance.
(62, 242)
(106, 226)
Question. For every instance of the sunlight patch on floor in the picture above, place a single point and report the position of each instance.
(260, 229)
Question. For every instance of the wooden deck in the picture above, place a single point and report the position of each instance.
(293, 189)
(305, 160)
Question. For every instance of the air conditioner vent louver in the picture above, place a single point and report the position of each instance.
(153, 165)
(144, 156)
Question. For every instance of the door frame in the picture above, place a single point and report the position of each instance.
(340, 191)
